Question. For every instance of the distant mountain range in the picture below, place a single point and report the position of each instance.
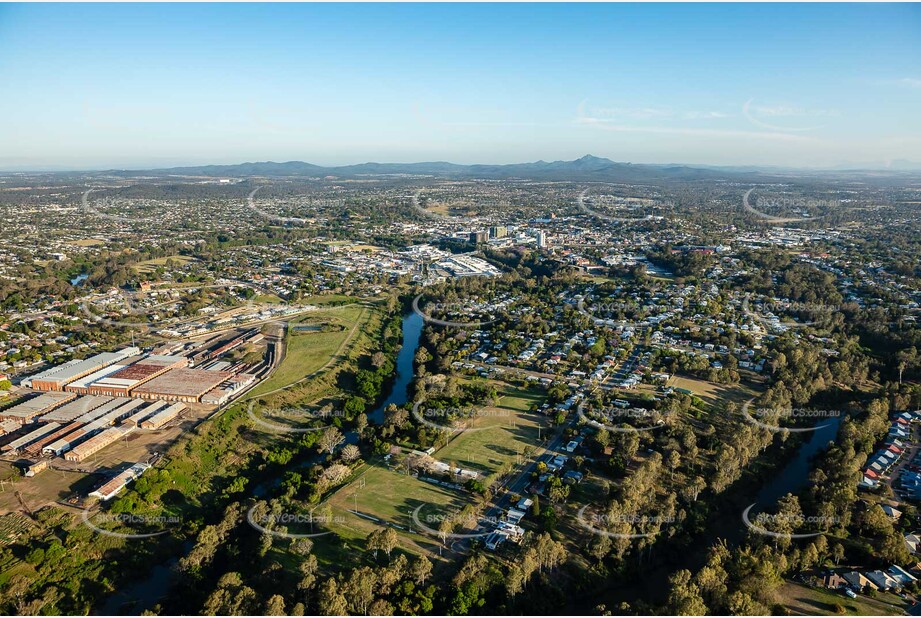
(588, 168)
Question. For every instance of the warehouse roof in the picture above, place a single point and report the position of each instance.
(35, 406)
(184, 382)
(73, 370)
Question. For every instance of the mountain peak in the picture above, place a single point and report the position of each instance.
(591, 161)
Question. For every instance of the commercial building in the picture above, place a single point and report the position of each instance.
(498, 231)
(463, 265)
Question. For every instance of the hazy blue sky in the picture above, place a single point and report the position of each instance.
(89, 86)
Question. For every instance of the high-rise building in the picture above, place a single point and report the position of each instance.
(498, 231)
(478, 237)
(542, 240)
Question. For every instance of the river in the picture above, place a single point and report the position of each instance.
(142, 594)
(795, 475)
(399, 391)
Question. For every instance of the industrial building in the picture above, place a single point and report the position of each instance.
(163, 417)
(227, 389)
(82, 385)
(27, 411)
(186, 385)
(31, 437)
(114, 485)
(56, 378)
(89, 404)
(135, 419)
(73, 410)
(9, 427)
(95, 444)
(121, 382)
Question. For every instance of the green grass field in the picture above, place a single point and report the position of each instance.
(309, 352)
(327, 299)
(148, 266)
(805, 601)
(392, 497)
(271, 299)
(502, 433)
(711, 392)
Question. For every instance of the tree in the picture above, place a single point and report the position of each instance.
(389, 540)
(420, 570)
(445, 528)
(302, 547)
(330, 439)
(380, 607)
(837, 553)
(330, 601)
(359, 589)
(350, 453)
(332, 476)
(373, 542)
(684, 596)
(743, 604)
(275, 606)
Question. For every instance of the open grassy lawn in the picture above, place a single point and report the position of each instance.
(391, 497)
(308, 352)
(499, 435)
(267, 298)
(148, 266)
(87, 242)
(803, 601)
(326, 299)
(711, 392)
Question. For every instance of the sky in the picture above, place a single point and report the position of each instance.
(102, 86)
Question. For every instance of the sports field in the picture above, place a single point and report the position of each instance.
(392, 497)
(499, 435)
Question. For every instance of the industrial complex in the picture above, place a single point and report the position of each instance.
(78, 408)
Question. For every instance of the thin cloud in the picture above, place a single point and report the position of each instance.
(648, 113)
(616, 124)
(909, 82)
(751, 112)
(609, 126)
